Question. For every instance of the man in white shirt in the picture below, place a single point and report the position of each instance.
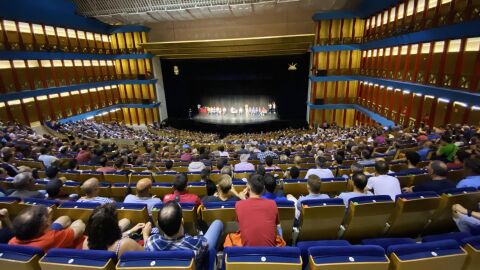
(244, 165)
(320, 171)
(196, 165)
(383, 184)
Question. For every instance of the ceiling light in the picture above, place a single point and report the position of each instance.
(292, 66)
(444, 100)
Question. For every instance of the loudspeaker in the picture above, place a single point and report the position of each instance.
(319, 101)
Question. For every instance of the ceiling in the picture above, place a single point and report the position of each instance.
(151, 11)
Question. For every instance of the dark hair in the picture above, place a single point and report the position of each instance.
(205, 174)
(43, 150)
(256, 183)
(315, 183)
(269, 161)
(294, 172)
(413, 157)
(439, 168)
(365, 154)
(359, 180)
(339, 159)
(221, 163)
(270, 183)
(119, 162)
(168, 164)
(170, 218)
(29, 223)
(72, 164)
(54, 187)
(320, 161)
(221, 148)
(381, 167)
(473, 164)
(261, 170)
(51, 172)
(180, 182)
(462, 155)
(102, 227)
(211, 187)
(103, 161)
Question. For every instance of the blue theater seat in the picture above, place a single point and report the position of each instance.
(280, 258)
(305, 245)
(438, 255)
(81, 205)
(457, 236)
(386, 242)
(181, 259)
(321, 219)
(73, 259)
(472, 247)
(348, 257)
(19, 257)
(33, 201)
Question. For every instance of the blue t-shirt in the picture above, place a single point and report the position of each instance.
(470, 181)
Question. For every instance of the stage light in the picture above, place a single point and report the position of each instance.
(460, 103)
(418, 94)
(475, 108)
(176, 71)
(292, 66)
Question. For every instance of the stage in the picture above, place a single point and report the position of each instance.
(227, 125)
(231, 119)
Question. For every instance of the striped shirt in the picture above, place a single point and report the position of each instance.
(198, 244)
(97, 199)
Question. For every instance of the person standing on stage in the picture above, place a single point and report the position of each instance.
(240, 110)
(274, 107)
(224, 110)
(270, 107)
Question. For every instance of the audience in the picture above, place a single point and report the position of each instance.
(45, 158)
(180, 193)
(321, 171)
(224, 191)
(413, 158)
(91, 189)
(271, 191)
(359, 184)
(439, 182)
(23, 184)
(196, 165)
(471, 168)
(143, 194)
(383, 184)
(33, 227)
(314, 184)
(244, 165)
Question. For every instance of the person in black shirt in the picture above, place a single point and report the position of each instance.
(413, 158)
(439, 183)
(224, 191)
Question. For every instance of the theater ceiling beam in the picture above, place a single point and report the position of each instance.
(241, 47)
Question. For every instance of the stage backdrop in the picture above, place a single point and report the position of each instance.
(237, 81)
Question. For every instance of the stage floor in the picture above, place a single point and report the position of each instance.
(230, 119)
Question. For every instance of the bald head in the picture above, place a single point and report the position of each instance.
(23, 181)
(143, 187)
(90, 187)
(170, 218)
(31, 222)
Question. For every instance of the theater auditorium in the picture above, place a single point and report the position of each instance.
(240, 134)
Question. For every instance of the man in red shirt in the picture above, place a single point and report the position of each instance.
(257, 217)
(180, 193)
(33, 227)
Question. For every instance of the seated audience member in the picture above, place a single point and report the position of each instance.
(23, 184)
(91, 189)
(170, 222)
(84, 154)
(205, 178)
(186, 156)
(119, 166)
(45, 158)
(196, 165)
(143, 188)
(438, 171)
(72, 165)
(292, 173)
(104, 233)
(227, 170)
(426, 148)
(168, 166)
(460, 157)
(6, 227)
(221, 162)
(224, 191)
(257, 217)
(222, 152)
(383, 184)
(104, 168)
(7, 162)
(466, 219)
(264, 152)
(33, 227)
(51, 173)
(271, 191)
(269, 164)
(314, 184)
(180, 193)
(357, 168)
(471, 168)
(55, 192)
(446, 151)
(321, 171)
(297, 161)
(244, 165)
(359, 183)
(413, 158)
(366, 158)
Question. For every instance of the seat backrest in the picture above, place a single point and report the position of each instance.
(265, 258)
(296, 187)
(412, 213)
(223, 211)
(164, 178)
(60, 258)
(75, 210)
(161, 189)
(135, 212)
(438, 255)
(333, 186)
(455, 175)
(180, 259)
(115, 178)
(348, 258)
(189, 211)
(321, 217)
(19, 257)
(367, 216)
(441, 220)
(286, 213)
(472, 247)
(420, 178)
(197, 188)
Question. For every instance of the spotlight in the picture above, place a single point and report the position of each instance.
(292, 67)
(176, 71)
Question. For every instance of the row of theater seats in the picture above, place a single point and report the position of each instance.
(410, 215)
(376, 254)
